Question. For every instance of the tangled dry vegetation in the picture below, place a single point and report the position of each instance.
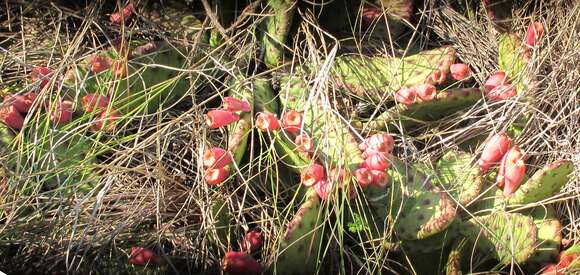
(145, 187)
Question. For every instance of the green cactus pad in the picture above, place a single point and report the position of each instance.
(453, 266)
(301, 241)
(436, 242)
(543, 184)
(376, 77)
(446, 103)
(336, 144)
(278, 25)
(240, 130)
(459, 176)
(549, 236)
(503, 236)
(511, 60)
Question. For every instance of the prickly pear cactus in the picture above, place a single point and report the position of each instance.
(549, 236)
(511, 60)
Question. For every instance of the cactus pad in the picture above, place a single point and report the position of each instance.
(549, 236)
(503, 236)
(459, 176)
(511, 60)
(543, 184)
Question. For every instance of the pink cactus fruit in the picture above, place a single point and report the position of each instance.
(369, 15)
(11, 117)
(338, 175)
(292, 121)
(267, 122)
(236, 105)
(363, 176)
(62, 114)
(240, 263)
(304, 143)
(143, 256)
(502, 92)
(426, 92)
(460, 71)
(437, 77)
(41, 73)
(107, 121)
(378, 144)
(406, 96)
(118, 18)
(323, 189)
(216, 157)
(22, 103)
(380, 178)
(496, 79)
(493, 151)
(215, 176)
(219, 118)
(95, 102)
(120, 68)
(252, 241)
(312, 174)
(100, 63)
(376, 162)
(534, 33)
(512, 171)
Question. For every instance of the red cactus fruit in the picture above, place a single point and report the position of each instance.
(41, 73)
(62, 114)
(338, 175)
(502, 92)
(323, 189)
(406, 96)
(236, 105)
(215, 176)
(566, 259)
(95, 102)
(426, 92)
(534, 33)
(240, 263)
(369, 15)
(493, 151)
(512, 171)
(496, 79)
(120, 68)
(216, 157)
(143, 256)
(292, 121)
(376, 162)
(363, 176)
(460, 71)
(252, 241)
(380, 178)
(552, 269)
(304, 143)
(312, 174)
(22, 103)
(378, 144)
(266, 122)
(118, 18)
(107, 121)
(11, 117)
(437, 77)
(219, 118)
(100, 63)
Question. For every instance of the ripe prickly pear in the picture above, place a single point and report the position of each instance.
(496, 79)
(22, 103)
(304, 143)
(459, 71)
(426, 92)
(406, 96)
(502, 92)
(437, 77)
(236, 105)
(363, 176)
(512, 171)
(118, 18)
(376, 162)
(219, 118)
(62, 114)
(41, 73)
(323, 189)
(292, 121)
(107, 121)
(266, 122)
(252, 241)
(493, 151)
(100, 64)
(240, 263)
(312, 174)
(119, 68)
(11, 117)
(380, 178)
(378, 144)
(338, 175)
(95, 102)
(534, 33)
(143, 256)
(216, 157)
(216, 176)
